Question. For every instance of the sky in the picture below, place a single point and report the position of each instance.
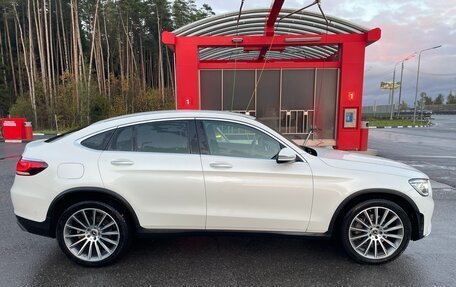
(407, 26)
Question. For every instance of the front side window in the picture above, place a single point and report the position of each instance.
(237, 140)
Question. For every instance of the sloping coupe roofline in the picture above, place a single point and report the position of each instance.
(175, 113)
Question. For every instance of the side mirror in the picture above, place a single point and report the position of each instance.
(286, 155)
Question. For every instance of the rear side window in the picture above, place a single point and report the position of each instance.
(165, 137)
(123, 139)
(99, 141)
(162, 137)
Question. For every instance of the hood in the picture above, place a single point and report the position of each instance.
(364, 162)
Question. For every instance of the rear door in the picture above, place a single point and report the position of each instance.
(156, 166)
(246, 188)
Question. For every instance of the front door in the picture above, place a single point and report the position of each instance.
(246, 188)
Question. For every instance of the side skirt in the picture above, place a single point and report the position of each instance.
(151, 233)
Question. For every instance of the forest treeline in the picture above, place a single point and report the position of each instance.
(68, 63)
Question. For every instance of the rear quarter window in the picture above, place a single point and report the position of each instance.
(99, 141)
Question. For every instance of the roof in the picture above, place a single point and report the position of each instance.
(138, 117)
(252, 22)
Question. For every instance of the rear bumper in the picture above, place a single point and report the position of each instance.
(40, 228)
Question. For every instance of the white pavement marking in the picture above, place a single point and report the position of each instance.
(433, 156)
(436, 184)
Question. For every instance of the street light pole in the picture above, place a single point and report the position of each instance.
(417, 78)
(422, 107)
(400, 86)
(394, 87)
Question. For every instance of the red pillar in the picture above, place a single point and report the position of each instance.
(350, 94)
(187, 80)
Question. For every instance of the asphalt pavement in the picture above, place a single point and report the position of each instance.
(430, 149)
(31, 260)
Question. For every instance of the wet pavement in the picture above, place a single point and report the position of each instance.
(431, 150)
(31, 260)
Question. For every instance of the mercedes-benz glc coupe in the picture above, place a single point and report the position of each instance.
(180, 171)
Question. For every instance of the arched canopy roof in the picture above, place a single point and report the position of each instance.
(252, 22)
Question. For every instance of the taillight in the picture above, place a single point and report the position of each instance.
(30, 167)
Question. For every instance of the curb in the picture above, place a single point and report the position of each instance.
(397, 127)
(369, 151)
(44, 134)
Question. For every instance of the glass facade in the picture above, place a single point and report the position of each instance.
(325, 114)
(292, 101)
(211, 89)
(238, 90)
(298, 89)
(268, 98)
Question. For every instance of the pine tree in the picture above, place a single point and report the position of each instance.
(69, 62)
(438, 100)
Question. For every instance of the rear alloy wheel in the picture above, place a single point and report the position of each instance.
(376, 231)
(92, 233)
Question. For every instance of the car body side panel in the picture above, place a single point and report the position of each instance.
(257, 194)
(32, 195)
(166, 190)
(333, 185)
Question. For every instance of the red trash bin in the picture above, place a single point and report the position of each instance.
(28, 131)
(12, 129)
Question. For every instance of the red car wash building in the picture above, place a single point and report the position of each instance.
(298, 72)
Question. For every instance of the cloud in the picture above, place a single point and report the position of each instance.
(407, 26)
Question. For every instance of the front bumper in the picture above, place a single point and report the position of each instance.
(424, 216)
(40, 228)
(418, 231)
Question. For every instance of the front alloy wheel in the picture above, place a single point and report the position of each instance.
(376, 231)
(92, 233)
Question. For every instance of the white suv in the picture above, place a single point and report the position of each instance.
(180, 171)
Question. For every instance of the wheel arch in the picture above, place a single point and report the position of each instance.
(406, 203)
(75, 195)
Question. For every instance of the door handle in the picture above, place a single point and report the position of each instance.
(122, 162)
(220, 165)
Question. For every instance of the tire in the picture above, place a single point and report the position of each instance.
(93, 233)
(375, 231)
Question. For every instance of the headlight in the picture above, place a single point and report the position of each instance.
(421, 185)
